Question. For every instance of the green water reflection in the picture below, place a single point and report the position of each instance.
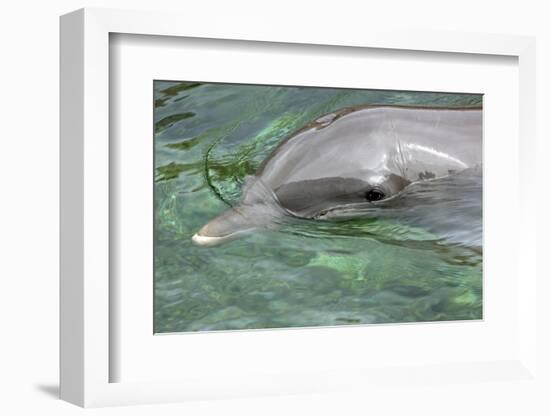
(208, 138)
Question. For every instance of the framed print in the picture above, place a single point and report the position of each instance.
(273, 214)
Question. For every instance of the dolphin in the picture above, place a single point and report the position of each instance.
(351, 160)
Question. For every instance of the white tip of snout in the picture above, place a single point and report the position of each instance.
(202, 240)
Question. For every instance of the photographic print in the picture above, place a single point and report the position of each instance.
(290, 206)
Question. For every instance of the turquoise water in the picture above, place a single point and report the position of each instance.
(420, 260)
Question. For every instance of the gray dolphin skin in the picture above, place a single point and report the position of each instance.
(357, 157)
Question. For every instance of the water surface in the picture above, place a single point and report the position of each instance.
(417, 260)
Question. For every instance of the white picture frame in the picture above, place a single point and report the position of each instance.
(86, 355)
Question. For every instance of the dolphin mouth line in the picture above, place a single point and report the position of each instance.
(328, 213)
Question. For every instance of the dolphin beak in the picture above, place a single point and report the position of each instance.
(202, 240)
(228, 226)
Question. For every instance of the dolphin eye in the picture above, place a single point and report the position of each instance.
(374, 195)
